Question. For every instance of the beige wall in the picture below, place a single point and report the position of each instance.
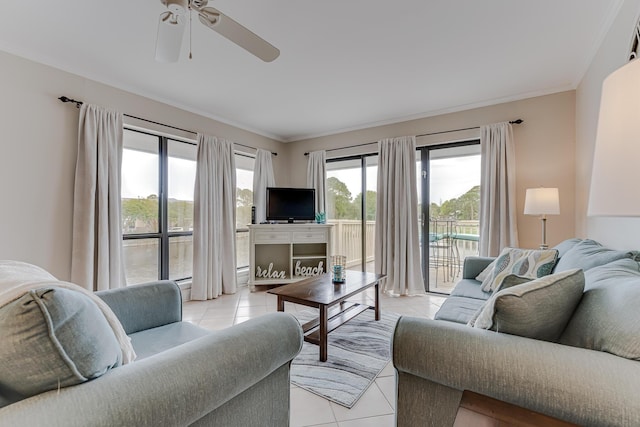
(545, 146)
(38, 152)
(615, 232)
(38, 149)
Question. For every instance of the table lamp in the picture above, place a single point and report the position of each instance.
(542, 201)
(614, 176)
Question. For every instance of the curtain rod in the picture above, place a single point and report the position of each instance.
(79, 103)
(513, 122)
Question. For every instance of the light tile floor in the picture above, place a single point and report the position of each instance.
(374, 409)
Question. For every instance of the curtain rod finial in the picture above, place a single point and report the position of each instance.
(67, 99)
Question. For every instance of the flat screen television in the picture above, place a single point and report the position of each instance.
(291, 204)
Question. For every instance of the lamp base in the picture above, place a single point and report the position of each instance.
(544, 233)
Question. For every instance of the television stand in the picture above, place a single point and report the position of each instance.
(287, 253)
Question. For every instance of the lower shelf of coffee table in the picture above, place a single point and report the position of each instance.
(336, 317)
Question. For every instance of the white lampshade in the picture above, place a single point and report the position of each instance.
(614, 176)
(542, 201)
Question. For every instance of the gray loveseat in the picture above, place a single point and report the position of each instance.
(590, 375)
(183, 375)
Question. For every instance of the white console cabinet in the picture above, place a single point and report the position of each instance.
(286, 253)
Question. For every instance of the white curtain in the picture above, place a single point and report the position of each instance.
(498, 226)
(214, 220)
(96, 262)
(397, 249)
(262, 178)
(317, 177)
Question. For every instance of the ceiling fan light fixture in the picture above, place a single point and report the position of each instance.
(177, 7)
(169, 18)
(169, 38)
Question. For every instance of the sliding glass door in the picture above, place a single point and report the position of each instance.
(351, 208)
(449, 190)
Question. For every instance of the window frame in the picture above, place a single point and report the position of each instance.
(242, 230)
(163, 235)
(423, 154)
(363, 203)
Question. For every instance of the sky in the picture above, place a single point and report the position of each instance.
(140, 175)
(450, 177)
(140, 172)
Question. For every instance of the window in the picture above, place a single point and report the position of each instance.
(448, 178)
(351, 208)
(244, 201)
(158, 179)
(158, 176)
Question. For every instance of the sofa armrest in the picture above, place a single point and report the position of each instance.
(583, 386)
(145, 306)
(176, 387)
(473, 265)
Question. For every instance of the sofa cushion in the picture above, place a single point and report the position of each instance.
(538, 309)
(588, 254)
(532, 263)
(470, 288)
(565, 245)
(608, 319)
(53, 337)
(458, 309)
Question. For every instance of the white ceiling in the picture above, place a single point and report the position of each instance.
(344, 64)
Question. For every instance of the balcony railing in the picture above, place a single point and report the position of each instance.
(346, 239)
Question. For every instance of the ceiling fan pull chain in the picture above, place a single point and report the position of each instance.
(190, 30)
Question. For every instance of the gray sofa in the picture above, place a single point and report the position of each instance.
(183, 375)
(590, 375)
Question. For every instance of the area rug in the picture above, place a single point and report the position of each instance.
(357, 352)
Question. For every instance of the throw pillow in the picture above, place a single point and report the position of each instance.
(539, 309)
(531, 263)
(564, 246)
(608, 318)
(588, 254)
(507, 282)
(53, 337)
(513, 280)
(486, 272)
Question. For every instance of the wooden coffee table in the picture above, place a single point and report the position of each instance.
(477, 410)
(320, 292)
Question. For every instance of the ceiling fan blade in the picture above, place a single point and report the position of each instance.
(169, 41)
(238, 34)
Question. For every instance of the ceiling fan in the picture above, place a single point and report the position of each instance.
(172, 26)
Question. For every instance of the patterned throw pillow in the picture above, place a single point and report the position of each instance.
(531, 263)
(488, 270)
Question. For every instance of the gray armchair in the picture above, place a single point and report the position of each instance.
(184, 375)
